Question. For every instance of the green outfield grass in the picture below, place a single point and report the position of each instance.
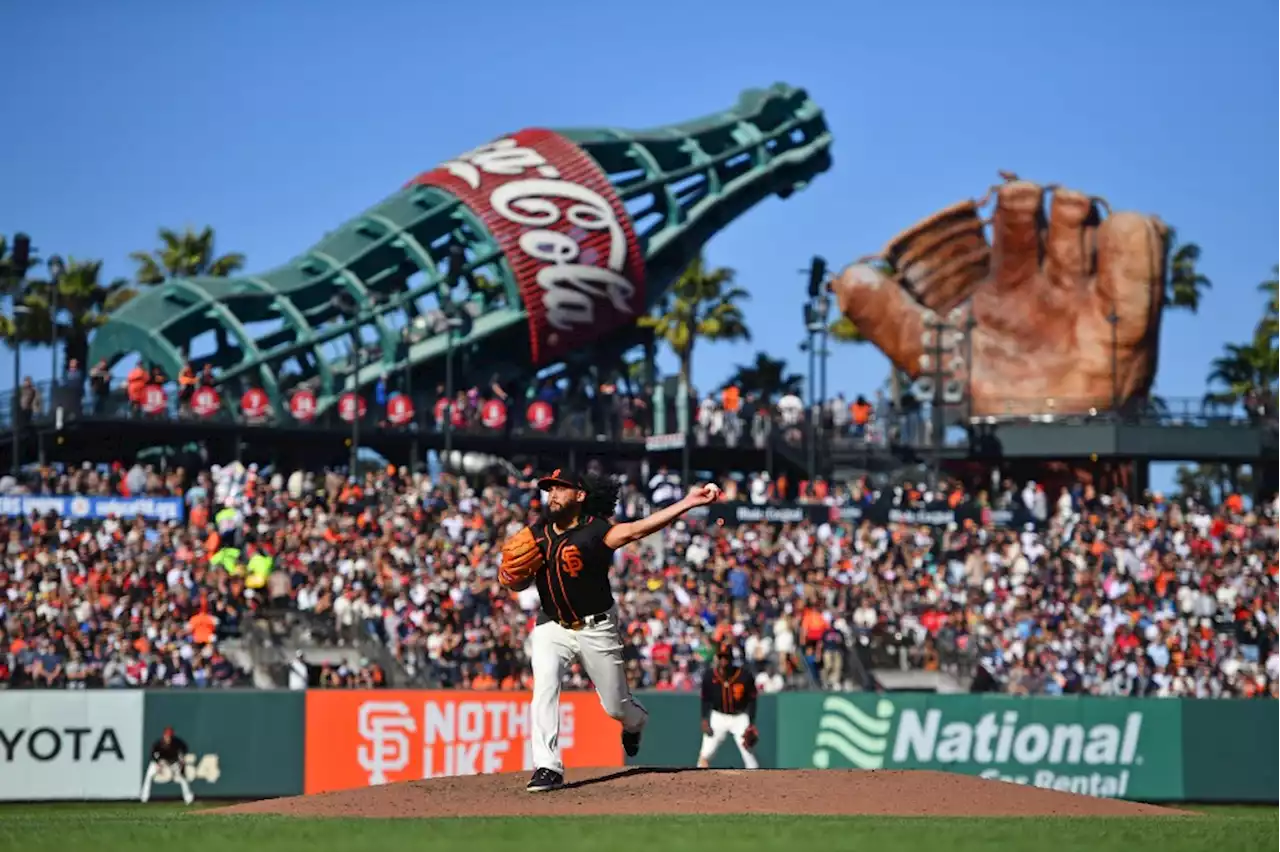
(163, 827)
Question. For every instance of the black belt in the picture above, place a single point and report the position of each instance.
(584, 621)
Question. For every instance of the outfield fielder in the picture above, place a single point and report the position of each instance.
(168, 751)
(728, 708)
(568, 556)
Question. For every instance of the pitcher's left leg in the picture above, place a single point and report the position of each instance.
(552, 650)
(601, 654)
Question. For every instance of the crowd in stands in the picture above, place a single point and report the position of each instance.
(1092, 594)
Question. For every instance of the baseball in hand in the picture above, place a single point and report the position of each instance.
(701, 495)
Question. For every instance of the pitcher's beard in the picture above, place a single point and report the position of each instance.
(563, 516)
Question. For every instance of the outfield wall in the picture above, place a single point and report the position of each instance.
(255, 744)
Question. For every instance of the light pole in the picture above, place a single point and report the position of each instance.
(19, 260)
(15, 409)
(457, 325)
(413, 333)
(938, 375)
(936, 412)
(816, 310)
(344, 305)
(56, 270)
(448, 388)
(811, 393)
(686, 403)
(355, 412)
(824, 337)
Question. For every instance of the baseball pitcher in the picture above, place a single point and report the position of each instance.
(567, 555)
(728, 708)
(168, 752)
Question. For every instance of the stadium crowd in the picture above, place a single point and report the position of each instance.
(1094, 594)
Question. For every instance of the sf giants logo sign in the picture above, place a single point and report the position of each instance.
(562, 228)
(361, 738)
(385, 727)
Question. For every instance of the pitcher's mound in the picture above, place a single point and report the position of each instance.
(642, 790)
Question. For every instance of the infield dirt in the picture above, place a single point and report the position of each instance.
(644, 790)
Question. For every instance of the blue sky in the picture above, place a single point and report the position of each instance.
(275, 121)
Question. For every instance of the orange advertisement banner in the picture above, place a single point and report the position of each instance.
(361, 738)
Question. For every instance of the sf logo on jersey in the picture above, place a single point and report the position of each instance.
(571, 560)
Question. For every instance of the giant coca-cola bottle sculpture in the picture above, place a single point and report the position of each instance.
(568, 236)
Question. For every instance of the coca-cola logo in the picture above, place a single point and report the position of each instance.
(562, 228)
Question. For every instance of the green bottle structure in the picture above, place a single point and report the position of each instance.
(559, 241)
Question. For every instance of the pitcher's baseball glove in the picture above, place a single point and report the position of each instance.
(521, 561)
(750, 737)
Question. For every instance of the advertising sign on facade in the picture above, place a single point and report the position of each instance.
(77, 507)
(1100, 747)
(70, 745)
(364, 738)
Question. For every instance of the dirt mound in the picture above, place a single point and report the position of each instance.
(703, 791)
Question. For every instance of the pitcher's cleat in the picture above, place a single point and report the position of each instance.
(631, 743)
(544, 780)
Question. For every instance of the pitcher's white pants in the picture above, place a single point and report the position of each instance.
(176, 771)
(722, 724)
(599, 647)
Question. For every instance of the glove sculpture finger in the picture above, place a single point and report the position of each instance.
(1059, 313)
(521, 561)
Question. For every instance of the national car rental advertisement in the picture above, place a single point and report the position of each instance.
(363, 738)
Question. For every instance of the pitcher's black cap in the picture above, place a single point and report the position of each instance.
(561, 477)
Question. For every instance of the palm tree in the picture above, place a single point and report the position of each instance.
(703, 304)
(1210, 483)
(19, 328)
(1267, 328)
(1185, 284)
(767, 377)
(184, 255)
(1243, 372)
(83, 305)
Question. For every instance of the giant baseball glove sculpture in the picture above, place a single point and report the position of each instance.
(1038, 303)
(521, 561)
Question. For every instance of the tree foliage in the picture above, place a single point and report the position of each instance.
(1247, 372)
(767, 377)
(1184, 284)
(83, 302)
(704, 304)
(80, 300)
(184, 255)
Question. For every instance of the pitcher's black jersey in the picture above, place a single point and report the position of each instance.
(575, 580)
